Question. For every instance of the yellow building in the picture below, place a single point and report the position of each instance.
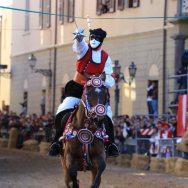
(136, 32)
(5, 57)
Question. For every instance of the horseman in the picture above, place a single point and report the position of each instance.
(91, 59)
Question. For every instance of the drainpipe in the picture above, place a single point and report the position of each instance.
(164, 58)
(55, 59)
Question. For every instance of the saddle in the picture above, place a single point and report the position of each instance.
(68, 132)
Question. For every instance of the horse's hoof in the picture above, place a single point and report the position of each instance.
(76, 185)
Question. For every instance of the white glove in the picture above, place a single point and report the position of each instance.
(79, 34)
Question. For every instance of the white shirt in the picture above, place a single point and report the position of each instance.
(80, 48)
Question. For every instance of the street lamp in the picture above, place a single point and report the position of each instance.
(4, 73)
(32, 63)
(32, 60)
(132, 72)
(120, 76)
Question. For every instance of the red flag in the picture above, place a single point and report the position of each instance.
(182, 116)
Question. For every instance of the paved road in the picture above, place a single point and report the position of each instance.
(20, 169)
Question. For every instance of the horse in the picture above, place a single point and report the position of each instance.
(85, 134)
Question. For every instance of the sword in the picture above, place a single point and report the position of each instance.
(80, 32)
(88, 22)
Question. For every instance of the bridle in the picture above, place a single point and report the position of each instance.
(94, 112)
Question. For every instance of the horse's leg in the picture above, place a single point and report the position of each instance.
(66, 172)
(94, 173)
(73, 173)
(101, 165)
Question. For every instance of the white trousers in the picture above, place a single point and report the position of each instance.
(71, 102)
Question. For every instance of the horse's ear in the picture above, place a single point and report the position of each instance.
(103, 76)
(87, 76)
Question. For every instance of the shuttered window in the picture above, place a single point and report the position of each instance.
(61, 11)
(45, 16)
(99, 7)
(111, 4)
(134, 3)
(71, 5)
(121, 4)
(105, 6)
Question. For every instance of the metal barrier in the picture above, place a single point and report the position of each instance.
(150, 139)
(165, 148)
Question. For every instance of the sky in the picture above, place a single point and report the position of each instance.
(5, 2)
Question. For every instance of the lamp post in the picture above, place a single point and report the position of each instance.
(120, 76)
(32, 63)
(32, 60)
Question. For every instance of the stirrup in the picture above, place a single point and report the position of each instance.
(55, 149)
(113, 150)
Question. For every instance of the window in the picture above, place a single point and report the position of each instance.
(134, 3)
(111, 5)
(45, 16)
(121, 4)
(70, 10)
(61, 11)
(66, 10)
(27, 7)
(99, 7)
(105, 6)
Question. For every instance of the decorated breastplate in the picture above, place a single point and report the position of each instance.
(85, 135)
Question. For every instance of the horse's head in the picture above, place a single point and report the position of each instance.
(95, 96)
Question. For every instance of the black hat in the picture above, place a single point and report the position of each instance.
(98, 32)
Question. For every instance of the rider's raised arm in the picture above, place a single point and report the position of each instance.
(80, 46)
(109, 71)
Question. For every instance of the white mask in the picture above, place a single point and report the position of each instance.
(94, 43)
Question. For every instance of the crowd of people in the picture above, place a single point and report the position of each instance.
(144, 129)
(41, 128)
(29, 126)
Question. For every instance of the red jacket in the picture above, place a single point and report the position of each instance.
(86, 64)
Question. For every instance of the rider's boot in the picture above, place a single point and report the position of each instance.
(112, 149)
(56, 147)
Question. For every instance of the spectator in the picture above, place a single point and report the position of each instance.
(182, 81)
(164, 128)
(43, 102)
(155, 99)
(154, 143)
(149, 98)
(168, 152)
(128, 126)
(23, 107)
(173, 126)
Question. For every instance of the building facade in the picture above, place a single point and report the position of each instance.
(5, 59)
(137, 31)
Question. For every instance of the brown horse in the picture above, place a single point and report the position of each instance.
(85, 134)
